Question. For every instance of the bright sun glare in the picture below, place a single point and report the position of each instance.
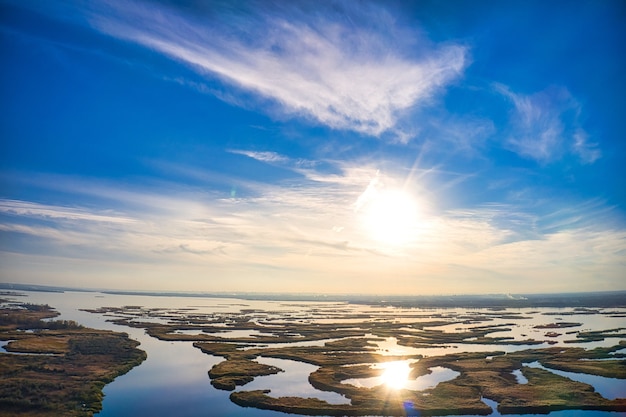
(395, 374)
(391, 217)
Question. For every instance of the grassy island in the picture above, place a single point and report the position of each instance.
(228, 374)
(351, 345)
(58, 368)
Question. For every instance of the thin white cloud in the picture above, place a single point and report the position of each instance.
(587, 151)
(294, 229)
(24, 208)
(545, 126)
(337, 67)
(263, 156)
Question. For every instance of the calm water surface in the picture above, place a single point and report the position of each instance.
(173, 381)
(610, 388)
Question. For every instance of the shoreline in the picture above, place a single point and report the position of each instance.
(348, 350)
(58, 367)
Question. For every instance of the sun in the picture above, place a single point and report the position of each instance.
(395, 374)
(391, 217)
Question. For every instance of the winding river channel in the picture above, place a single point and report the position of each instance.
(173, 381)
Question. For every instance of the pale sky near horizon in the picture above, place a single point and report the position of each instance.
(393, 147)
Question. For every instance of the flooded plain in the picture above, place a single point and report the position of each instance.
(174, 379)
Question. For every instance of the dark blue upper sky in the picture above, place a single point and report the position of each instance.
(396, 147)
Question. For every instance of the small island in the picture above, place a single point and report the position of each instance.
(347, 347)
(57, 367)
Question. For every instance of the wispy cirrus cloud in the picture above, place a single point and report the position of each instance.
(586, 150)
(344, 67)
(263, 156)
(31, 209)
(545, 126)
(287, 228)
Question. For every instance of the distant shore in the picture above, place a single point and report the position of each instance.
(600, 299)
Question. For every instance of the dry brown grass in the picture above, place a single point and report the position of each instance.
(68, 383)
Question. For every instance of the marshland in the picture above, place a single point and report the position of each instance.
(260, 357)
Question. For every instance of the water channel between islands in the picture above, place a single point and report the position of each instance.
(174, 381)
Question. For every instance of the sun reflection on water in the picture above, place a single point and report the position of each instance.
(395, 374)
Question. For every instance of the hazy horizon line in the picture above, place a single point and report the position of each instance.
(230, 294)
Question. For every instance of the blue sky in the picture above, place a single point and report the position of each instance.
(425, 147)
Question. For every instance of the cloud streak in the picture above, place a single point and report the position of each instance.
(263, 156)
(545, 126)
(337, 68)
(285, 229)
(22, 208)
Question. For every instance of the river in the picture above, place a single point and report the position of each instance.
(173, 381)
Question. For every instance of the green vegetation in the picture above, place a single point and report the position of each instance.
(351, 347)
(544, 391)
(594, 336)
(227, 375)
(65, 366)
